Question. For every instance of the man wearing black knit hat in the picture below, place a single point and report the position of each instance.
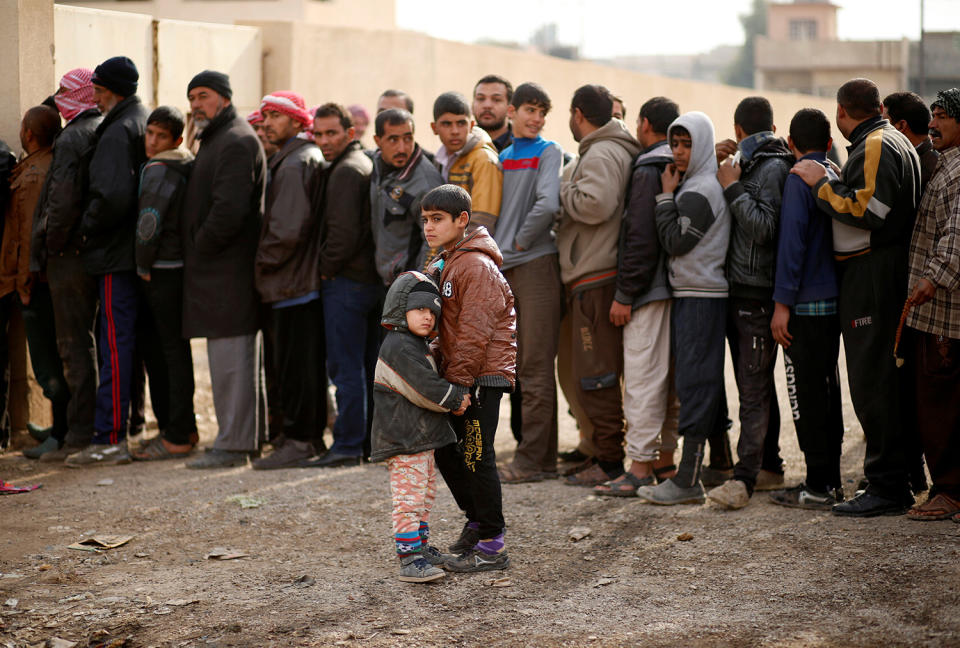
(107, 229)
(223, 209)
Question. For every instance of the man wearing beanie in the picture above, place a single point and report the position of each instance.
(287, 273)
(223, 208)
(55, 249)
(107, 230)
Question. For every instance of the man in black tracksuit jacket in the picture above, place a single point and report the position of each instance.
(107, 226)
(873, 207)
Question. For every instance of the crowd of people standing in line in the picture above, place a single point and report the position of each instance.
(624, 271)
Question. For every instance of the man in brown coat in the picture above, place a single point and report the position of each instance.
(19, 288)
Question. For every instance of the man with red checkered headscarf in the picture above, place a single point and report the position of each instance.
(55, 249)
(287, 273)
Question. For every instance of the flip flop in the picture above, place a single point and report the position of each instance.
(625, 485)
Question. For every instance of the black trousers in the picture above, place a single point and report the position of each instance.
(469, 466)
(149, 360)
(164, 297)
(299, 361)
(42, 343)
(873, 288)
(813, 387)
(753, 352)
(937, 384)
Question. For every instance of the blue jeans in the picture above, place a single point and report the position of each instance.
(351, 315)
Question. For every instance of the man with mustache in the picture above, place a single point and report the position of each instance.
(223, 209)
(401, 177)
(935, 314)
(491, 99)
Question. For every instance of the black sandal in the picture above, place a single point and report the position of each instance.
(624, 486)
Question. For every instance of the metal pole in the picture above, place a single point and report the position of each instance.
(923, 66)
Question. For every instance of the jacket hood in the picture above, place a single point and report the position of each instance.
(764, 145)
(479, 241)
(174, 155)
(703, 157)
(395, 303)
(615, 131)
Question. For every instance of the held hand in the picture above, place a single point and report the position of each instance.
(670, 178)
(778, 325)
(464, 404)
(619, 313)
(728, 173)
(145, 277)
(724, 149)
(809, 171)
(922, 292)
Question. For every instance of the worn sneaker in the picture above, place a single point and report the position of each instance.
(711, 477)
(668, 493)
(289, 455)
(767, 480)
(416, 569)
(57, 456)
(469, 537)
(434, 556)
(731, 495)
(474, 560)
(48, 445)
(100, 454)
(216, 458)
(804, 497)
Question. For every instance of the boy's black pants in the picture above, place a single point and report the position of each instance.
(813, 387)
(873, 288)
(469, 466)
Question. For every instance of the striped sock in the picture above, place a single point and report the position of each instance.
(407, 543)
(424, 533)
(492, 546)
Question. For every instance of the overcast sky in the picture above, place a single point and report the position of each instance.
(606, 28)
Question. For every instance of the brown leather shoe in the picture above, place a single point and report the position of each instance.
(592, 476)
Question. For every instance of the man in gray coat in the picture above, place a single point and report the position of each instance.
(223, 209)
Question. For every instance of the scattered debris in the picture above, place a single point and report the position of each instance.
(501, 582)
(400, 631)
(182, 602)
(605, 581)
(305, 581)
(579, 533)
(6, 488)
(11, 602)
(57, 642)
(105, 482)
(220, 553)
(685, 537)
(101, 542)
(247, 501)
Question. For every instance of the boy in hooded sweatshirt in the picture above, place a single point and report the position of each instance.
(159, 257)
(693, 225)
(478, 350)
(409, 418)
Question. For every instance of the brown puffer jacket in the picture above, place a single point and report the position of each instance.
(478, 326)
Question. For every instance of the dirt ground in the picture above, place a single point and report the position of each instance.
(321, 570)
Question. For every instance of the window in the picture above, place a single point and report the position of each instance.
(803, 30)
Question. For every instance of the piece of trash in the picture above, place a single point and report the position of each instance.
(105, 482)
(11, 602)
(182, 602)
(579, 533)
(101, 542)
(305, 581)
(57, 642)
(44, 567)
(685, 537)
(6, 488)
(140, 554)
(605, 581)
(225, 554)
(501, 582)
(400, 631)
(247, 501)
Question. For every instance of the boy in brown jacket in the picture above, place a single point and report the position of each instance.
(478, 350)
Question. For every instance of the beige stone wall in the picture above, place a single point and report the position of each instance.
(354, 66)
(27, 37)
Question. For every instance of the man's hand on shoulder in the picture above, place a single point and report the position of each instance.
(809, 171)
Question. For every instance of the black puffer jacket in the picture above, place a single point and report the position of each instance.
(754, 204)
(56, 222)
(163, 182)
(222, 212)
(410, 398)
(109, 222)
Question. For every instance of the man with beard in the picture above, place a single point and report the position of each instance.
(401, 177)
(288, 279)
(223, 209)
(491, 98)
(255, 119)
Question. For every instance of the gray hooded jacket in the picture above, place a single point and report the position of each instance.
(694, 223)
(410, 398)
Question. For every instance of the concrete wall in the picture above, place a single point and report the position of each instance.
(372, 14)
(323, 64)
(26, 30)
